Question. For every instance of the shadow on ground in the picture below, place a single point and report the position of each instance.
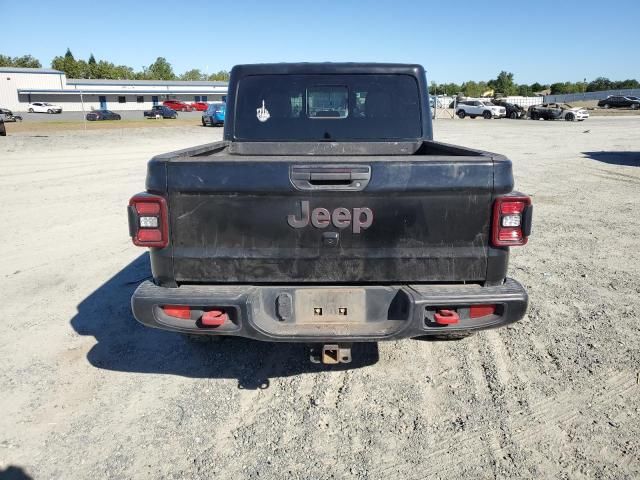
(629, 159)
(14, 473)
(125, 345)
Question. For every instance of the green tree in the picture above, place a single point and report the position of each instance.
(445, 88)
(193, 74)
(161, 69)
(82, 69)
(629, 83)
(92, 67)
(525, 90)
(504, 84)
(25, 61)
(537, 87)
(122, 72)
(474, 89)
(221, 76)
(599, 84)
(67, 64)
(566, 87)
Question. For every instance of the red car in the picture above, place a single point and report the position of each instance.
(200, 106)
(178, 106)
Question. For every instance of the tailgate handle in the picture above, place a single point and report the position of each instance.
(327, 176)
(330, 177)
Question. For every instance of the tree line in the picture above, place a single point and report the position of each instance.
(505, 84)
(160, 69)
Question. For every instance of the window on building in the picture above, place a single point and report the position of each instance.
(140, 99)
(204, 98)
(122, 99)
(196, 98)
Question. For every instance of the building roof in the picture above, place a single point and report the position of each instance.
(29, 70)
(69, 91)
(26, 91)
(167, 83)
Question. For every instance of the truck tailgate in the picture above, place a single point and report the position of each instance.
(260, 221)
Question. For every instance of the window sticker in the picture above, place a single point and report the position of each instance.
(262, 113)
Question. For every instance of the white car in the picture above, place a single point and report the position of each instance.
(555, 111)
(480, 108)
(44, 107)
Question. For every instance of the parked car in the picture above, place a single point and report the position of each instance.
(477, 108)
(178, 106)
(9, 116)
(200, 106)
(554, 111)
(513, 111)
(103, 115)
(160, 111)
(619, 101)
(278, 235)
(44, 107)
(214, 115)
(3, 129)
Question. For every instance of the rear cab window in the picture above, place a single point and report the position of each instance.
(358, 107)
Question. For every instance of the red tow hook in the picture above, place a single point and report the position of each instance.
(214, 318)
(446, 317)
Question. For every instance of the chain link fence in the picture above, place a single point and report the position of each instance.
(587, 96)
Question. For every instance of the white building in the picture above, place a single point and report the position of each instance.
(21, 86)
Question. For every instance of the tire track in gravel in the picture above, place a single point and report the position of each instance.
(567, 406)
(448, 456)
(489, 377)
(486, 366)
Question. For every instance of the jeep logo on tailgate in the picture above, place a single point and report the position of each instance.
(359, 218)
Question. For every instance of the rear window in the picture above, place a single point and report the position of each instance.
(328, 107)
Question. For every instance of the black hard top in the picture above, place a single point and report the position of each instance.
(327, 68)
(319, 68)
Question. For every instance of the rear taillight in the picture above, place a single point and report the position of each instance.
(177, 311)
(511, 220)
(148, 224)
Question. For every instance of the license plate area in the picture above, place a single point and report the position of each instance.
(330, 306)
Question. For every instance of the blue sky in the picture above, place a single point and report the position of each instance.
(544, 41)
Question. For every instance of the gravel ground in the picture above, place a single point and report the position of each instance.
(88, 393)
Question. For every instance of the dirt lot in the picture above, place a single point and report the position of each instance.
(70, 121)
(88, 393)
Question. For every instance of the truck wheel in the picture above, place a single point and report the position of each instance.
(635, 106)
(513, 116)
(461, 113)
(569, 117)
(31, 110)
(606, 105)
(203, 123)
(49, 111)
(487, 115)
(534, 116)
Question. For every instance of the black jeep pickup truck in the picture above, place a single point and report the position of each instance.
(328, 215)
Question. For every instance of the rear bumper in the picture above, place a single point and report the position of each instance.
(274, 313)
